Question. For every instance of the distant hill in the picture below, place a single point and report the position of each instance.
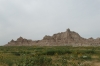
(67, 38)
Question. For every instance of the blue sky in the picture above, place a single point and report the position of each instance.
(33, 19)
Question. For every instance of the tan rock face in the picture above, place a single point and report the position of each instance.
(67, 38)
(19, 42)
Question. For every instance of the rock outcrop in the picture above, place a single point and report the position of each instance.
(20, 42)
(67, 38)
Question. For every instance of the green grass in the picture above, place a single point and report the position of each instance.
(48, 56)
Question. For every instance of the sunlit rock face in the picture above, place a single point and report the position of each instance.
(67, 38)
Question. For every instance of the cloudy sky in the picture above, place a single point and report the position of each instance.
(33, 19)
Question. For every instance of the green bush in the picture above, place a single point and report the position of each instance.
(58, 51)
(20, 53)
(35, 61)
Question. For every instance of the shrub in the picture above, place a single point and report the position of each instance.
(35, 61)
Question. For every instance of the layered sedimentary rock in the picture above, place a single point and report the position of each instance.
(67, 38)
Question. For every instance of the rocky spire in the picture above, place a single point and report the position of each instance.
(12, 40)
(20, 39)
(68, 30)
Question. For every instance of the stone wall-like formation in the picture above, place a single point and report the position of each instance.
(67, 38)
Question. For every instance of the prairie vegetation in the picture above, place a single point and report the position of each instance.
(49, 56)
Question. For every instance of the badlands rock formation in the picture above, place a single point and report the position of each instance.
(67, 38)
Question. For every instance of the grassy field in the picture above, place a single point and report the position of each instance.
(49, 56)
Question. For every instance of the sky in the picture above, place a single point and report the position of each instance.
(33, 19)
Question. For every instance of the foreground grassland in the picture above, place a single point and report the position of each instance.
(49, 56)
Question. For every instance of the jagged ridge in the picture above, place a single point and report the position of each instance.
(67, 38)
